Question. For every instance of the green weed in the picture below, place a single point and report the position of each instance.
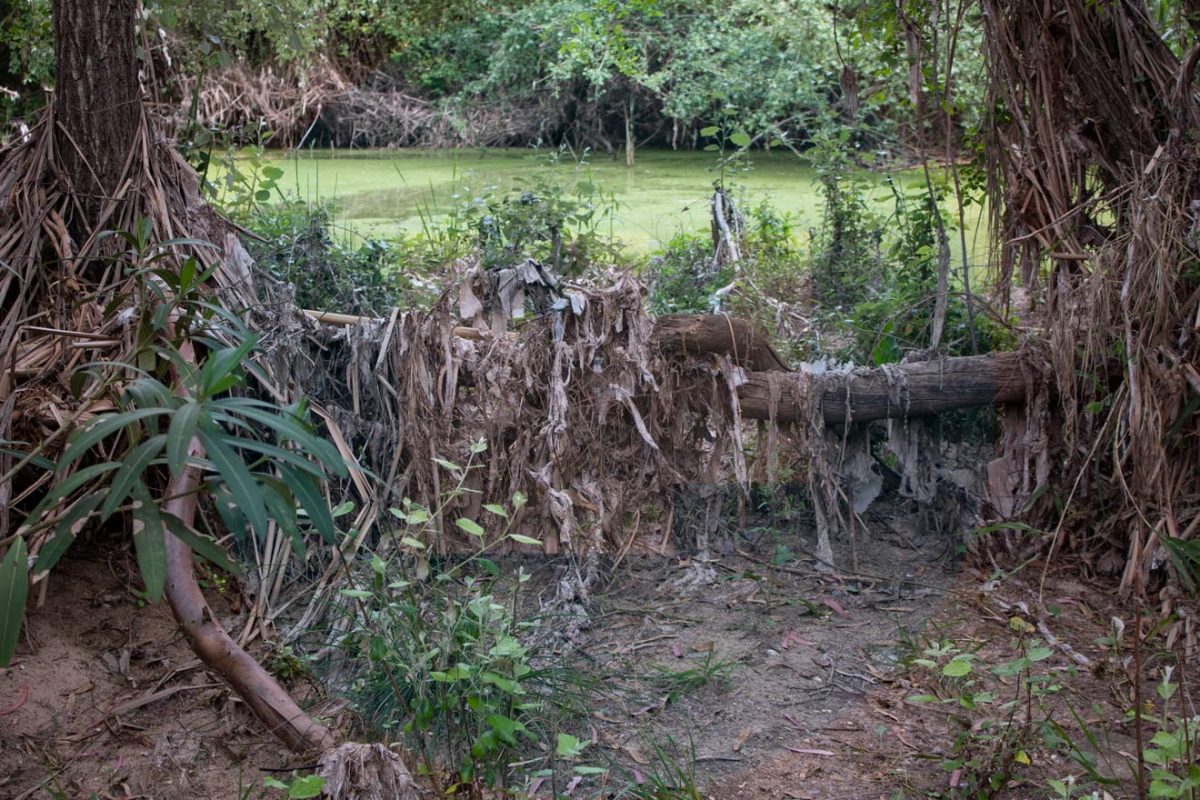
(667, 777)
(444, 656)
(680, 682)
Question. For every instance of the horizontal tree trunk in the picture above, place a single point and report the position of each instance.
(748, 344)
(918, 389)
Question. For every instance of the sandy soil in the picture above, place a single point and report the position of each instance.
(104, 699)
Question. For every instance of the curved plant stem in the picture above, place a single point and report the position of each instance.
(269, 701)
(215, 647)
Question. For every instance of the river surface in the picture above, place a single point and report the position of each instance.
(386, 192)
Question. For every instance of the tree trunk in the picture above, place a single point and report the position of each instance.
(97, 100)
(748, 344)
(920, 389)
(98, 113)
(630, 144)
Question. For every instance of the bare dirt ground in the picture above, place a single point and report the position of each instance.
(780, 681)
(769, 657)
(777, 681)
(106, 700)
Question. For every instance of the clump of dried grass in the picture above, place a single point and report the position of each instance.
(285, 102)
(289, 103)
(380, 113)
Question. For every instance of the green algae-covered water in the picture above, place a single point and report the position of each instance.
(383, 193)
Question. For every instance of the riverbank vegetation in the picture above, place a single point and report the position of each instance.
(598, 74)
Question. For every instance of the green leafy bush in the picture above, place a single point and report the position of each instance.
(26, 57)
(261, 462)
(682, 277)
(337, 273)
(847, 250)
(440, 655)
(556, 216)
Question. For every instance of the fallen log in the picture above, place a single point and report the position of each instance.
(745, 342)
(918, 389)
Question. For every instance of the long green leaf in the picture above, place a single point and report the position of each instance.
(282, 506)
(183, 427)
(66, 488)
(293, 457)
(149, 393)
(65, 530)
(231, 515)
(14, 586)
(201, 544)
(244, 490)
(218, 374)
(184, 368)
(83, 441)
(38, 461)
(149, 543)
(285, 425)
(131, 472)
(470, 526)
(309, 494)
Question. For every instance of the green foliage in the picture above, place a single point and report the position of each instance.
(1171, 755)
(237, 182)
(337, 273)
(1172, 751)
(212, 33)
(298, 788)
(876, 276)
(710, 670)
(990, 743)
(555, 215)
(14, 586)
(556, 218)
(895, 314)
(847, 259)
(26, 56)
(668, 776)
(285, 663)
(682, 276)
(1065, 790)
(800, 66)
(302, 787)
(441, 655)
(775, 261)
(262, 463)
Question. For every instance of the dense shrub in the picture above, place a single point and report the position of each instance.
(336, 272)
(675, 66)
(682, 277)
